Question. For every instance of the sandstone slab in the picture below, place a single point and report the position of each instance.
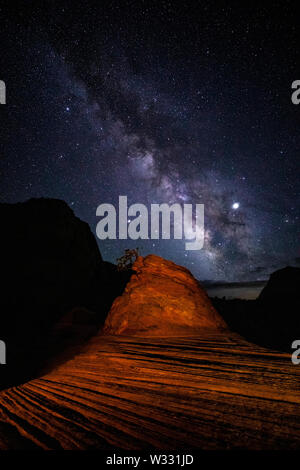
(162, 299)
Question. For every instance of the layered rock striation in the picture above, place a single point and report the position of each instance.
(162, 299)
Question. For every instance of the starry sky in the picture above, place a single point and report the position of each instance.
(163, 102)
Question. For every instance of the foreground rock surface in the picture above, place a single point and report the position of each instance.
(211, 392)
(162, 299)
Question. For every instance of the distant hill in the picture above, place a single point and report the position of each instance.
(234, 290)
(283, 286)
(273, 319)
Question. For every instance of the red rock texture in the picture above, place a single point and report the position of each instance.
(215, 392)
(162, 299)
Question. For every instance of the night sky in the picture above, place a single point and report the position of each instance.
(186, 103)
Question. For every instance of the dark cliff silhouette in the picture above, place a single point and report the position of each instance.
(50, 265)
(273, 319)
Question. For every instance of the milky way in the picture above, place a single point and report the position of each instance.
(149, 105)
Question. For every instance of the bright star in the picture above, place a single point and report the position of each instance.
(235, 205)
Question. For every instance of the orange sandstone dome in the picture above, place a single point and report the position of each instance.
(162, 299)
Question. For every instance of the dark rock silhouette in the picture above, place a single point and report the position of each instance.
(162, 299)
(273, 319)
(51, 264)
(283, 286)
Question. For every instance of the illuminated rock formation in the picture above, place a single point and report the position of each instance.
(162, 299)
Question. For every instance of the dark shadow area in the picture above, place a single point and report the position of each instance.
(273, 319)
(51, 265)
